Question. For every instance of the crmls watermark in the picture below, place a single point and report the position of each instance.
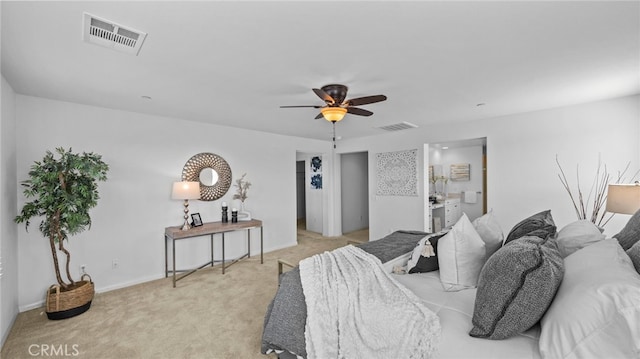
(50, 350)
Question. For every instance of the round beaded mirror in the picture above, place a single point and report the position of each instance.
(213, 173)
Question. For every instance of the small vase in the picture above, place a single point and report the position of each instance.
(243, 214)
(225, 215)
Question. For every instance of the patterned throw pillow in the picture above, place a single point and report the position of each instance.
(516, 286)
(425, 256)
(630, 234)
(539, 225)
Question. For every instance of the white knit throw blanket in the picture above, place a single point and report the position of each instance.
(357, 310)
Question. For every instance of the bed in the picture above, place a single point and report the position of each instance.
(577, 294)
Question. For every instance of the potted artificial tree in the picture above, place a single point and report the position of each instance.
(62, 190)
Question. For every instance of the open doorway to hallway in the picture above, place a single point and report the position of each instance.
(354, 184)
(300, 196)
(310, 192)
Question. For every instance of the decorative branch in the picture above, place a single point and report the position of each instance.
(598, 190)
(565, 183)
(242, 188)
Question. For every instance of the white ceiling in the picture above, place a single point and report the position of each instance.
(235, 63)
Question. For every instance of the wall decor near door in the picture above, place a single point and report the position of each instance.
(460, 172)
(316, 164)
(316, 181)
(397, 173)
(316, 172)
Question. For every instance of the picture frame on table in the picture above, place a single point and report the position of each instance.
(197, 220)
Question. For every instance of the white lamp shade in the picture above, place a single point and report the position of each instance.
(623, 198)
(186, 190)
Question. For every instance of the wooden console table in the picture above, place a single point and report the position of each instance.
(207, 229)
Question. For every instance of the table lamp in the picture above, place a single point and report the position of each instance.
(186, 191)
(623, 198)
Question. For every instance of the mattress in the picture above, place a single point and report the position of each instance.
(455, 310)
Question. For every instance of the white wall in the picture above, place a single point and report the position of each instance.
(8, 200)
(146, 154)
(521, 150)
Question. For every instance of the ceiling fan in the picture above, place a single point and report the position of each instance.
(337, 106)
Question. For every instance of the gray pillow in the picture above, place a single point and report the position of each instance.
(630, 234)
(540, 225)
(634, 254)
(516, 286)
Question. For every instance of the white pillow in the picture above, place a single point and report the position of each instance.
(596, 311)
(461, 255)
(490, 231)
(577, 235)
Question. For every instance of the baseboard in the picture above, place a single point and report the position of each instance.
(40, 304)
(272, 249)
(121, 285)
(129, 284)
(24, 308)
(5, 334)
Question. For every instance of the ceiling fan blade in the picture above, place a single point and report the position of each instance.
(359, 111)
(324, 96)
(314, 106)
(320, 115)
(365, 100)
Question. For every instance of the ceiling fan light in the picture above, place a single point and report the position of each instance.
(333, 114)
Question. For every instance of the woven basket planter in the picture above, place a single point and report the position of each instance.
(66, 303)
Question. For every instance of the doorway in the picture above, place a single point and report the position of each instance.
(354, 193)
(457, 174)
(301, 203)
(310, 194)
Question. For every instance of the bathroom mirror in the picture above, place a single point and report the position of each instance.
(213, 173)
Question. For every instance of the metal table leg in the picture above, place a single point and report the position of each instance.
(222, 252)
(166, 258)
(174, 261)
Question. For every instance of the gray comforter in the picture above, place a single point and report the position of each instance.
(286, 316)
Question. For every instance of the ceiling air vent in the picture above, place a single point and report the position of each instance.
(109, 34)
(398, 126)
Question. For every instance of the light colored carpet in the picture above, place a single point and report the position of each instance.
(208, 315)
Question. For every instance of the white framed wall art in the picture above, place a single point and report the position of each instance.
(397, 173)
